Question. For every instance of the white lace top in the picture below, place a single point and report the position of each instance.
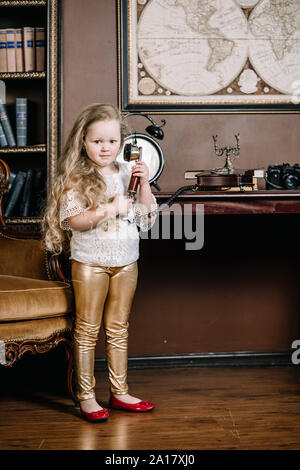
(111, 243)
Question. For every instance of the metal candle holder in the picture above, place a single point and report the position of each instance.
(228, 167)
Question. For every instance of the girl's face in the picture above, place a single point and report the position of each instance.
(102, 142)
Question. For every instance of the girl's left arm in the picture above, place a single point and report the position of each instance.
(145, 196)
(146, 201)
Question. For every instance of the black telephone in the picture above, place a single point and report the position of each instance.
(133, 152)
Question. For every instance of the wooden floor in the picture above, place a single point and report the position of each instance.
(197, 408)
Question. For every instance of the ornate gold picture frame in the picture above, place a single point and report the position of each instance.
(225, 57)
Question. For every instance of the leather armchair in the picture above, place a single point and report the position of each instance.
(36, 301)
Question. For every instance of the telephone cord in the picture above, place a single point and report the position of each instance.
(165, 205)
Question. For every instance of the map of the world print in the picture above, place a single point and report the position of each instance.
(209, 52)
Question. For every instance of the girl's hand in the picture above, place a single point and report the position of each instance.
(140, 169)
(122, 204)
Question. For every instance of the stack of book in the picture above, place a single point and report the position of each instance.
(7, 137)
(22, 49)
(26, 194)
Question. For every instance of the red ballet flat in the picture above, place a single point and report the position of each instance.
(141, 406)
(95, 416)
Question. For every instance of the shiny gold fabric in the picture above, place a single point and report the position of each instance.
(34, 329)
(102, 293)
(23, 298)
(25, 258)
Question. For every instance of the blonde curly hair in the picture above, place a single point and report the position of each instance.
(78, 172)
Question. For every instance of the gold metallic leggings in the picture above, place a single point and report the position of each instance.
(102, 292)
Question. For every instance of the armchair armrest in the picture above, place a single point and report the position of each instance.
(59, 264)
(56, 269)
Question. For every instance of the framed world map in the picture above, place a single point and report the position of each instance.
(207, 56)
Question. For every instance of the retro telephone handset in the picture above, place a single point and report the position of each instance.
(132, 152)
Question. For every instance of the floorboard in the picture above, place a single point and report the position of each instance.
(238, 408)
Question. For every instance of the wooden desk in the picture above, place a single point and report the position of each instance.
(237, 202)
(239, 293)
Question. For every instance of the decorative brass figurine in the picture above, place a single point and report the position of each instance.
(228, 168)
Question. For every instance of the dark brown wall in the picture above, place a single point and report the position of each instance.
(90, 75)
(204, 301)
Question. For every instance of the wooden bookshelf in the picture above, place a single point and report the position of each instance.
(18, 3)
(21, 75)
(27, 149)
(42, 88)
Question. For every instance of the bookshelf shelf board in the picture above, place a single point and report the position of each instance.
(23, 220)
(21, 75)
(28, 149)
(23, 3)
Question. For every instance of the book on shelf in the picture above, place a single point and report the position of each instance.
(25, 202)
(3, 140)
(3, 53)
(20, 137)
(22, 200)
(29, 53)
(21, 121)
(11, 50)
(40, 45)
(14, 193)
(5, 121)
(23, 49)
(19, 50)
(2, 91)
(11, 179)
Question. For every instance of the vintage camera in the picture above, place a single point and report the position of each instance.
(283, 176)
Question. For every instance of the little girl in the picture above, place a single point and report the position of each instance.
(89, 198)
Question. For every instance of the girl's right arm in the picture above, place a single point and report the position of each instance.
(87, 220)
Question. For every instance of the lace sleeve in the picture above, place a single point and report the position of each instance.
(139, 211)
(69, 206)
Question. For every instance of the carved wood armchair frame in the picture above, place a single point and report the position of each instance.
(15, 350)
